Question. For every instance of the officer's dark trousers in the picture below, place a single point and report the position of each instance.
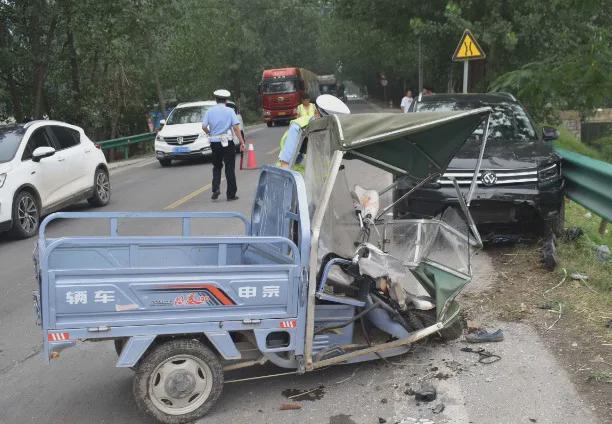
(224, 155)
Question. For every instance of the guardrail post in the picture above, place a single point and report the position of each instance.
(126, 151)
(602, 226)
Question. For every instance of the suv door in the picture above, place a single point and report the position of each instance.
(75, 164)
(47, 174)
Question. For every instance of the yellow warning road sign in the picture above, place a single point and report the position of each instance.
(468, 48)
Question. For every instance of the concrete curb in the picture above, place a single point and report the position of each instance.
(123, 163)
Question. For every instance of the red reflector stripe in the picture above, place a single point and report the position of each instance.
(58, 337)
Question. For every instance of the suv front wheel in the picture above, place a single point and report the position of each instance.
(26, 215)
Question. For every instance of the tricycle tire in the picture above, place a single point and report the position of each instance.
(190, 384)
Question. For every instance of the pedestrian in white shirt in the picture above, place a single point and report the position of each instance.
(406, 101)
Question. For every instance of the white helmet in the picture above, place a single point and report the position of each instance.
(222, 94)
(331, 105)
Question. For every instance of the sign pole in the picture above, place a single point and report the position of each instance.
(465, 75)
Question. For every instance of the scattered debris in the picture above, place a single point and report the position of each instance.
(488, 380)
(381, 420)
(572, 233)
(425, 393)
(409, 392)
(485, 357)
(472, 326)
(455, 366)
(438, 408)
(533, 420)
(301, 395)
(442, 376)
(579, 276)
(588, 215)
(482, 336)
(383, 400)
(549, 254)
(341, 419)
(547, 306)
(609, 325)
(602, 253)
(290, 406)
(560, 312)
(574, 344)
(560, 282)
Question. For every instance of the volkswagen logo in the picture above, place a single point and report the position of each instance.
(179, 140)
(489, 178)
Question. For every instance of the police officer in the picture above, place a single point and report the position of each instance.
(326, 104)
(219, 121)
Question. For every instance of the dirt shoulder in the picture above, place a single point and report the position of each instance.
(570, 317)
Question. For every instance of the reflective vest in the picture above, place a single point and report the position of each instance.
(302, 121)
(302, 111)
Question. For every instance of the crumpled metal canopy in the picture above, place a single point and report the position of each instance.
(414, 144)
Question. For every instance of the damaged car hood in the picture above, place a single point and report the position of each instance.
(504, 155)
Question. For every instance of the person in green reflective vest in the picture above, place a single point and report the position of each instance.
(306, 108)
(326, 104)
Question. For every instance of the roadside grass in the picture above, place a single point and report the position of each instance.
(580, 255)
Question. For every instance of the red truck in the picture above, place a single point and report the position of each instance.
(282, 91)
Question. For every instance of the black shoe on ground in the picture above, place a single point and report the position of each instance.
(215, 195)
(229, 199)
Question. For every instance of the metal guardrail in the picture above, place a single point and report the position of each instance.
(124, 143)
(588, 182)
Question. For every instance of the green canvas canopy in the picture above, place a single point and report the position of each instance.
(413, 144)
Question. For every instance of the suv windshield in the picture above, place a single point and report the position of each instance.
(278, 86)
(187, 115)
(10, 138)
(509, 122)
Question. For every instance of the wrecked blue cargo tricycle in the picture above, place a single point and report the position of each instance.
(323, 274)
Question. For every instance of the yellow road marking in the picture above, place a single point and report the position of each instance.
(190, 196)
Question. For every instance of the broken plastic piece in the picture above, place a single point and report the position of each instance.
(425, 393)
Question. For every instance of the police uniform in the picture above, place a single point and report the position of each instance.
(326, 104)
(219, 121)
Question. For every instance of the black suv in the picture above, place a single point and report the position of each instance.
(520, 187)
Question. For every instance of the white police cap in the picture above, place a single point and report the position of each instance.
(331, 105)
(222, 94)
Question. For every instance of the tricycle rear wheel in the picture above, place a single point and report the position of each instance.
(178, 381)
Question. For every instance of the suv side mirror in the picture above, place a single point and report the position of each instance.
(549, 133)
(42, 152)
(162, 122)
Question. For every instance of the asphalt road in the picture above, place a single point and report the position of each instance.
(83, 386)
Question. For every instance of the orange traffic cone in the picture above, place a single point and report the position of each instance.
(251, 159)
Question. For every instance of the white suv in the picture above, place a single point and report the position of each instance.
(45, 166)
(182, 137)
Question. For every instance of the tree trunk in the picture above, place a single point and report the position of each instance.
(158, 88)
(15, 99)
(74, 64)
(41, 52)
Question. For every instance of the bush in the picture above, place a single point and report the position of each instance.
(604, 145)
(568, 141)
